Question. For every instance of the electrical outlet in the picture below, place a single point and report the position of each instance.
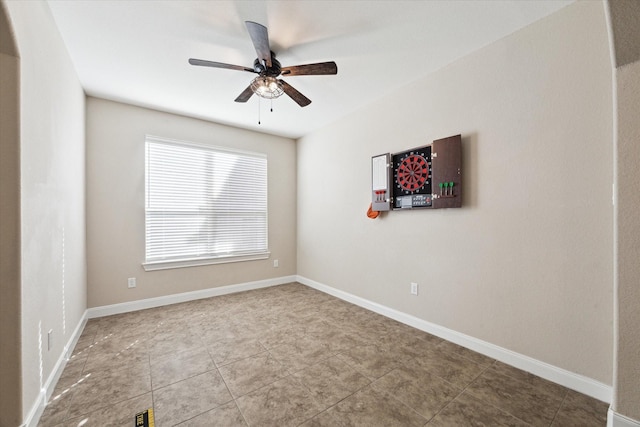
(414, 288)
(275, 263)
(131, 282)
(49, 339)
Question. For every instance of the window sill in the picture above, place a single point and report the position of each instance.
(166, 265)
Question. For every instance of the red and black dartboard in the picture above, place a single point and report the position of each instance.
(412, 171)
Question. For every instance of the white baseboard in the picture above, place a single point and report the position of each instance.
(126, 307)
(568, 379)
(616, 420)
(50, 384)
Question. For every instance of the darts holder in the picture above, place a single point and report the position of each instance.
(424, 177)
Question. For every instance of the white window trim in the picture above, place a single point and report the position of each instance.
(167, 265)
(203, 145)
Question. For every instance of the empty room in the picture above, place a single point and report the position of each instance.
(319, 213)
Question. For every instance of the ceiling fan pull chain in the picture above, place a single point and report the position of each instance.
(272, 105)
(258, 110)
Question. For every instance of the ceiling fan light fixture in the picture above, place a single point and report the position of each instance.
(267, 87)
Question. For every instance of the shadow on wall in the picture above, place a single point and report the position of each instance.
(470, 170)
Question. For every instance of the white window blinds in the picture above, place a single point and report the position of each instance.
(203, 202)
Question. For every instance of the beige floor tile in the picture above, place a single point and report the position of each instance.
(334, 337)
(224, 331)
(520, 375)
(99, 389)
(252, 373)
(227, 415)
(282, 403)
(107, 357)
(401, 328)
(56, 410)
(371, 360)
(171, 368)
(173, 341)
(475, 357)
(71, 374)
(279, 336)
(523, 400)
(60, 400)
(580, 410)
(303, 352)
(362, 333)
(200, 325)
(305, 309)
(141, 329)
(418, 389)
(372, 323)
(466, 410)
(189, 398)
(120, 321)
(369, 407)
(340, 342)
(331, 380)
(91, 327)
(324, 419)
(230, 350)
(118, 415)
(320, 327)
(405, 346)
(451, 367)
(84, 344)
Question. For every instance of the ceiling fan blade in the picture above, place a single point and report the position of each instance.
(203, 63)
(300, 99)
(321, 68)
(245, 95)
(260, 39)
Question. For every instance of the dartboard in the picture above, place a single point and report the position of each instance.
(412, 172)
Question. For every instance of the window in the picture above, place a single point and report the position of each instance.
(203, 205)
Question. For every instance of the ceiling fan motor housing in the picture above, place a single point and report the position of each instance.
(273, 71)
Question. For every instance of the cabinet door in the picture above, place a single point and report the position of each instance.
(446, 172)
(381, 182)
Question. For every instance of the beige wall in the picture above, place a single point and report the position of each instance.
(52, 226)
(527, 263)
(624, 17)
(115, 203)
(10, 352)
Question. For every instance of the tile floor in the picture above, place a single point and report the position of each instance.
(290, 355)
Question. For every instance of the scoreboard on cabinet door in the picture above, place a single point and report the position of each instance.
(424, 177)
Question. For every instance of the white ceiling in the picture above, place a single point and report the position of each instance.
(137, 51)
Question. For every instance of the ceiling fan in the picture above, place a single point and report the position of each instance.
(268, 68)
